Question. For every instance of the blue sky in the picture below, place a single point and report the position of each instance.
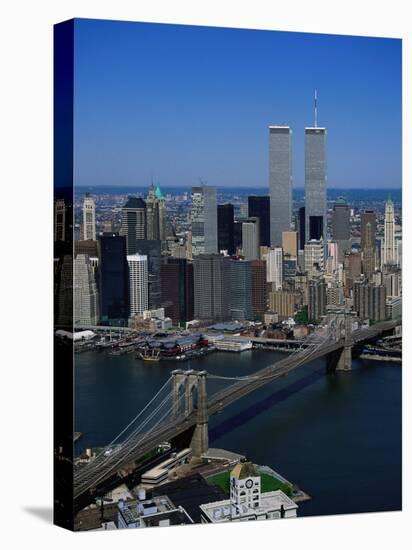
(179, 103)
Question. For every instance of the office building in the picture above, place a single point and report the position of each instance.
(394, 309)
(250, 239)
(155, 214)
(392, 280)
(317, 299)
(138, 284)
(314, 257)
(398, 249)
(352, 264)
(301, 227)
(225, 228)
(259, 207)
(290, 243)
(341, 227)
(368, 236)
(389, 252)
(259, 295)
(211, 287)
(152, 250)
(88, 247)
(331, 258)
(315, 183)
(280, 182)
(240, 294)
(274, 267)
(86, 299)
(63, 313)
(176, 276)
(204, 220)
(284, 303)
(133, 223)
(369, 300)
(62, 221)
(335, 295)
(113, 279)
(289, 268)
(368, 249)
(89, 218)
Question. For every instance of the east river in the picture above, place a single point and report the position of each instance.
(336, 436)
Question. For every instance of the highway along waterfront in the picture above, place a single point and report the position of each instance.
(336, 436)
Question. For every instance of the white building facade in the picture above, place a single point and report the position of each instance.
(138, 284)
(274, 267)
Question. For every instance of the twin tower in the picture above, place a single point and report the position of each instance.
(280, 181)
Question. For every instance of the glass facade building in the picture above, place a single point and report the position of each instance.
(113, 279)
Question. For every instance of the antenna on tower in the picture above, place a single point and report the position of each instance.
(316, 108)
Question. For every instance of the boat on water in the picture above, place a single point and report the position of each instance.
(148, 355)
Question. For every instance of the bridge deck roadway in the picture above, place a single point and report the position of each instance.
(103, 467)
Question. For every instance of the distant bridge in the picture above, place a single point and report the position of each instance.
(187, 406)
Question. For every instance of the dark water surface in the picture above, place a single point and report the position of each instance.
(337, 436)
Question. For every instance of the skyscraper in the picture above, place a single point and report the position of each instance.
(368, 251)
(259, 207)
(368, 216)
(280, 182)
(152, 249)
(274, 267)
(341, 227)
(225, 228)
(315, 181)
(369, 300)
(176, 277)
(314, 258)
(138, 284)
(155, 214)
(240, 284)
(86, 299)
(113, 279)
(204, 220)
(133, 222)
(211, 287)
(250, 239)
(290, 243)
(389, 251)
(60, 225)
(89, 218)
(259, 296)
(301, 226)
(317, 299)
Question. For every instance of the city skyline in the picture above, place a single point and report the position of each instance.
(182, 124)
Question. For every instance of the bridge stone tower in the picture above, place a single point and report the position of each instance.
(345, 359)
(189, 387)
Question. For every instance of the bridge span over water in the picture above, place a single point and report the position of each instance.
(182, 403)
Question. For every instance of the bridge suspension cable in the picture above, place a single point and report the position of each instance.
(140, 413)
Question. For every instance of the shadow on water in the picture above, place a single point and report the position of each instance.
(241, 418)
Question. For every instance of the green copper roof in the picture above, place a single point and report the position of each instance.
(159, 194)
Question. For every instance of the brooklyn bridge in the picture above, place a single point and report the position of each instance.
(182, 404)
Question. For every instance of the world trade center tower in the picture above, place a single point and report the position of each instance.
(280, 182)
(315, 183)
